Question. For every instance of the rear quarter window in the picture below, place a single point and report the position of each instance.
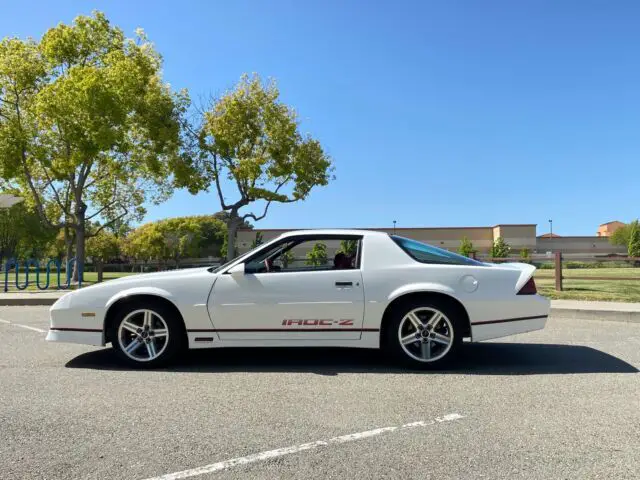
(423, 253)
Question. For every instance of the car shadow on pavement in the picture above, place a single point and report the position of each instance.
(475, 358)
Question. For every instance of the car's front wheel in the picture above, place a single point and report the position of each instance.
(146, 335)
(424, 334)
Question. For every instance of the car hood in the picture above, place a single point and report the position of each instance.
(100, 291)
(158, 275)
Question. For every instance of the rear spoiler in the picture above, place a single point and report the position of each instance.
(526, 272)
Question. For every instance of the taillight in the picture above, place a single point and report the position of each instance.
(528, 288)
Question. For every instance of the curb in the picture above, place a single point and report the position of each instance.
(600, 315)
(26, 302)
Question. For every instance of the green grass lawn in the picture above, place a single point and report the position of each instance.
(600, 290)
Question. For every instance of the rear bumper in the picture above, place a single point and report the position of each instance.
(534, 311)
(84, 337)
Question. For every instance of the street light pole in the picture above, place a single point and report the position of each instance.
(394, 227)
(550, 228)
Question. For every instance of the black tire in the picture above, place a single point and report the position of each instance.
(450, 325)
(167, 350)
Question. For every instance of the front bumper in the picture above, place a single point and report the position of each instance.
(70, 323)
(84, 337)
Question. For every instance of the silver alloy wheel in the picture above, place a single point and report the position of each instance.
(143, 335)
(425, 334)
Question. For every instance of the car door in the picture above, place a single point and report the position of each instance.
(302, 298)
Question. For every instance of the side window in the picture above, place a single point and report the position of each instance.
(310, 254)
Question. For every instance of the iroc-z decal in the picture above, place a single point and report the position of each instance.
(313, 322)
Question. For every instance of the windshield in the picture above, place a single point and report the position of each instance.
(225, 265)
(429, 254)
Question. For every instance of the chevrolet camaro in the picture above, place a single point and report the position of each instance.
(316, 288)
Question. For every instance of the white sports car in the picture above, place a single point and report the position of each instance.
(318, 288)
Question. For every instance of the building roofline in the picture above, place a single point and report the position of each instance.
(612, 221)
(574, 236)
(391, 228)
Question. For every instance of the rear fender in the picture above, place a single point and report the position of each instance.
(421, 288)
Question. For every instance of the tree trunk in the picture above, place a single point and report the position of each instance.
(99, 269)
(232, 230)
(78, 271)
(68, 244)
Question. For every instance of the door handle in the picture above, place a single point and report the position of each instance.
(344, 284)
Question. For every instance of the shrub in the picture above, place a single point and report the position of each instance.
(466, 247)
(317, 256)
(544, 266)
(634, 241)
(499, 249)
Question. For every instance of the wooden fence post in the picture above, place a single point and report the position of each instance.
(558, 265)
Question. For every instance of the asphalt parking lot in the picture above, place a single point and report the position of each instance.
(560, 403)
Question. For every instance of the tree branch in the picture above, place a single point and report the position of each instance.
(101, 210)
(266, 208)
(55, 192)
(223, 205)
(252, 215)
(110, 222)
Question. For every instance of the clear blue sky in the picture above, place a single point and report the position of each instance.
(437, 113)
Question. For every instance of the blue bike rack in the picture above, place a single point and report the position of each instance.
(13, 263)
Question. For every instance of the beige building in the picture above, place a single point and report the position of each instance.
(607, 229)
(584, 245)
(519, 236)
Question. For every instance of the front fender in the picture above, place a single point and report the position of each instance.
(158, 292)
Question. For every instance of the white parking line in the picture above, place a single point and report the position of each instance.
(257, 457)
(39, 330)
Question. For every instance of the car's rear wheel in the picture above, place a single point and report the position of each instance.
(424, 334)
(147, 335)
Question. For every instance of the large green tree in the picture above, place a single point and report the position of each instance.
(22, 234)
(176, 238)
(102, 248)
(250, 141)
(145, 243)
(87, 124)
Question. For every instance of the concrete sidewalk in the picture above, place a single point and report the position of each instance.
(585, 310)
(30, 298)
(575, 309)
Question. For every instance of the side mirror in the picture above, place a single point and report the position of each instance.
(237, 269)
